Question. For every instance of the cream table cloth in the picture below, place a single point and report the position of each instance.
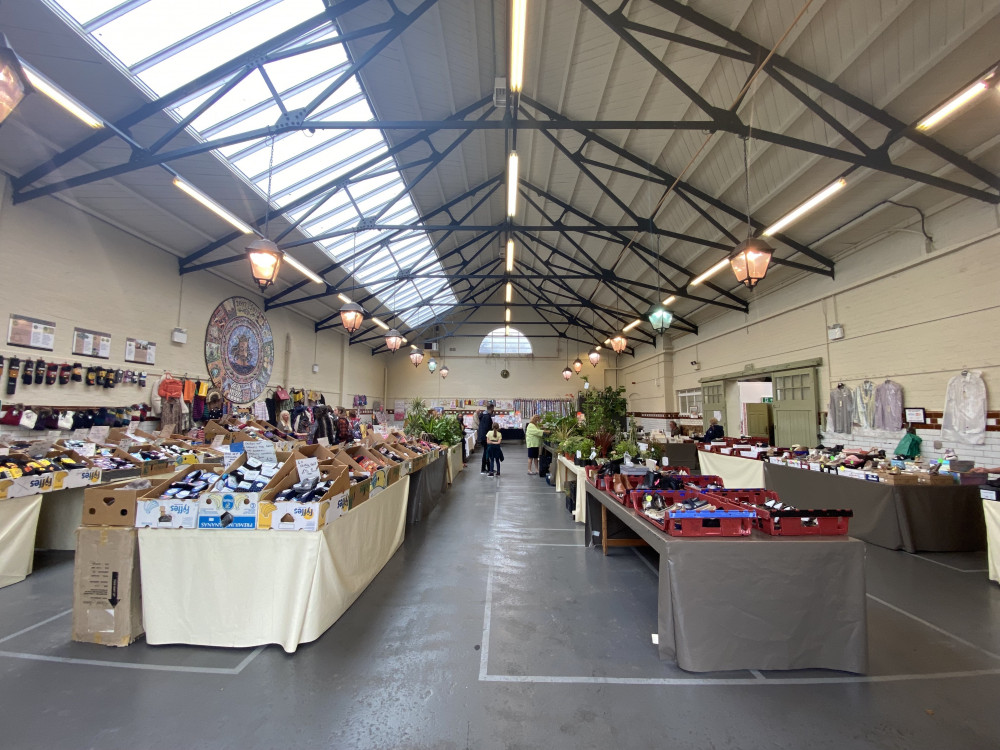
(736, 472)
(991, 510)
(18, 522)
(245, 588)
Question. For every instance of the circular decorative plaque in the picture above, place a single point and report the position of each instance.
(239, 350)
(504, 374)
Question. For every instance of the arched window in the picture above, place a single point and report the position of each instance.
(505, 341)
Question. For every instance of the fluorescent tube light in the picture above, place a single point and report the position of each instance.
(510, 292)
(63, 100)
(512, 184)
(380, 324)
(212, 206)
(631, 325)
(710, 272)
(510, 255)
(302, 269)
(606, 341)
(506, 315)
(953, 105)
(669, 300)
(517, 25)
(506, 331)
(805, 208)
(344, 298)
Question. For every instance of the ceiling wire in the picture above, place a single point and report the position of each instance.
(736, 102)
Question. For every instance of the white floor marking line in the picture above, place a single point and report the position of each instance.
(119, 665)
(757, 675)
(249, 658)
(738, 681)
(519, 528)
(36, 625)
(544, 544)
(946, 565)
(484, 651)
(934, 627)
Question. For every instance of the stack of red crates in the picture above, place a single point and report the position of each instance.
(787, 522)
(728, 519)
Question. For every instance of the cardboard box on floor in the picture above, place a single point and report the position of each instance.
(107, 597)
(285, 515)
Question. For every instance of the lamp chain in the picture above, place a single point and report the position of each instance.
(270, 175)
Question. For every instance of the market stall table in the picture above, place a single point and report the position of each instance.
(426, 487)
(682, 454)
(564, 469)
(455, 462)
(241, 588)
(735, 471)
(991, 511)
(913, 517)
(756, 602)
(18, 522)
(512, 434)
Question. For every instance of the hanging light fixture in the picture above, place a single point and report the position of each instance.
(618, 343)
(352, 315)
(660, 317)
(444, 372)
(432, 365)
(577, 365)
(751, 257)
(265, 262)
(14, 84)
(594, 357)
(567, 373)
(416, 357)
(393, 340)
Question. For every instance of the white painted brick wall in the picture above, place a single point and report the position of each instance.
(987, 454)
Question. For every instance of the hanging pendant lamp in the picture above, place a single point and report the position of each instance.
(659, 318)
(444, 372)
(618, 343)
(594, 357)
(352, 315)
(750, 259)
(416, 357)
(393, 340)
(14, 84)
(265, 262)
(432, 365)
(567, 373)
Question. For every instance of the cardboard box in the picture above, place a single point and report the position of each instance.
(107, 597)
(285, 515)
(73, 478)
(110, 505)
(167, 513)
(360, 491)
(897, 478)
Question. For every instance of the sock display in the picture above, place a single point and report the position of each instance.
(77, 372)
(39, 371)
(12, 373)
(29, 371)
(91, 376)
(51, 373)
(64, 373)
(142, 379)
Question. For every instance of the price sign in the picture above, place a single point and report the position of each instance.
(98, 434)
(308, 468)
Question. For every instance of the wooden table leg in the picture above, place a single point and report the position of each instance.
(604, 530)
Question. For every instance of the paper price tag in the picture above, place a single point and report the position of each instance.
(98, 434)
(131, 428)
(325, 442)
(643, 447)
(125, 444)
(87, 450)
(665, 461)
(80, 434)
(217, 441)
(262, 450)
(308, 468)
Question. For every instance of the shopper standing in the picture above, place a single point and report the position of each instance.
(533, 436)
(494, 454)
(485, 423)
(344, 432)
(323, 426)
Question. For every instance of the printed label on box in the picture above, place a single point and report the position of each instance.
(164, 513)
(228, 510)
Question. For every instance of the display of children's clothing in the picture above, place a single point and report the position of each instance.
(841, 412)
(965, 409)
(889, 406)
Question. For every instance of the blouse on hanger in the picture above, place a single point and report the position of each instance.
(889, 406)
(864, 405)
(965, 409)
(841, 410)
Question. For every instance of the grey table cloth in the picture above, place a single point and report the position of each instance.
(427, 485)
(916, 518)
(759, 602)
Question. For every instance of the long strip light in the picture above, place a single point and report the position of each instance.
(670, 300)
(344, 298)
(510, 293)
(510, 255)
(302, 269)
(806, 207)
(506, 315)
(953, 105)
(212, 206)
(380, 324)
(517, 25)
(512, 184)
(710, 272)
(631, 325)
(63, 100)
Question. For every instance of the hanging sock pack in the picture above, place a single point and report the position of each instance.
(29, 371)
(12, 373)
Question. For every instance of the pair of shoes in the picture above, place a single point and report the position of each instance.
(482, 472)
(490, 474)
(532, 474)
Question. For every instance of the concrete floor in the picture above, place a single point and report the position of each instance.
(493, 627)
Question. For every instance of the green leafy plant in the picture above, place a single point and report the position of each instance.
(603, 439)
(605, 410)
(625, 446)
(446, 430)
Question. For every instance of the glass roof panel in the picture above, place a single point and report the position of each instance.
(168, 43)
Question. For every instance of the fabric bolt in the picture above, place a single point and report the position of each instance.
(864, 405)
(841, 412)
(888, 406)
(321, 573)
(964, 418)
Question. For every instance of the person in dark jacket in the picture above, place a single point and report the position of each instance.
(485, 424)
(323, 426)
(344, 433)
(714, 431)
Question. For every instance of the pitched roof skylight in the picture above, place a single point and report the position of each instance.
(164, 44)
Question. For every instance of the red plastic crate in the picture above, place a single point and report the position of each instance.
(792, 522)
(630, 482)
(698, 523)
(703, 480)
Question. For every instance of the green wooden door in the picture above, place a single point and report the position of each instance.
(713, 399)
(759, 420)
(795, 407)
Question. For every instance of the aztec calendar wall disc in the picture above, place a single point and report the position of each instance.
(239, 350)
